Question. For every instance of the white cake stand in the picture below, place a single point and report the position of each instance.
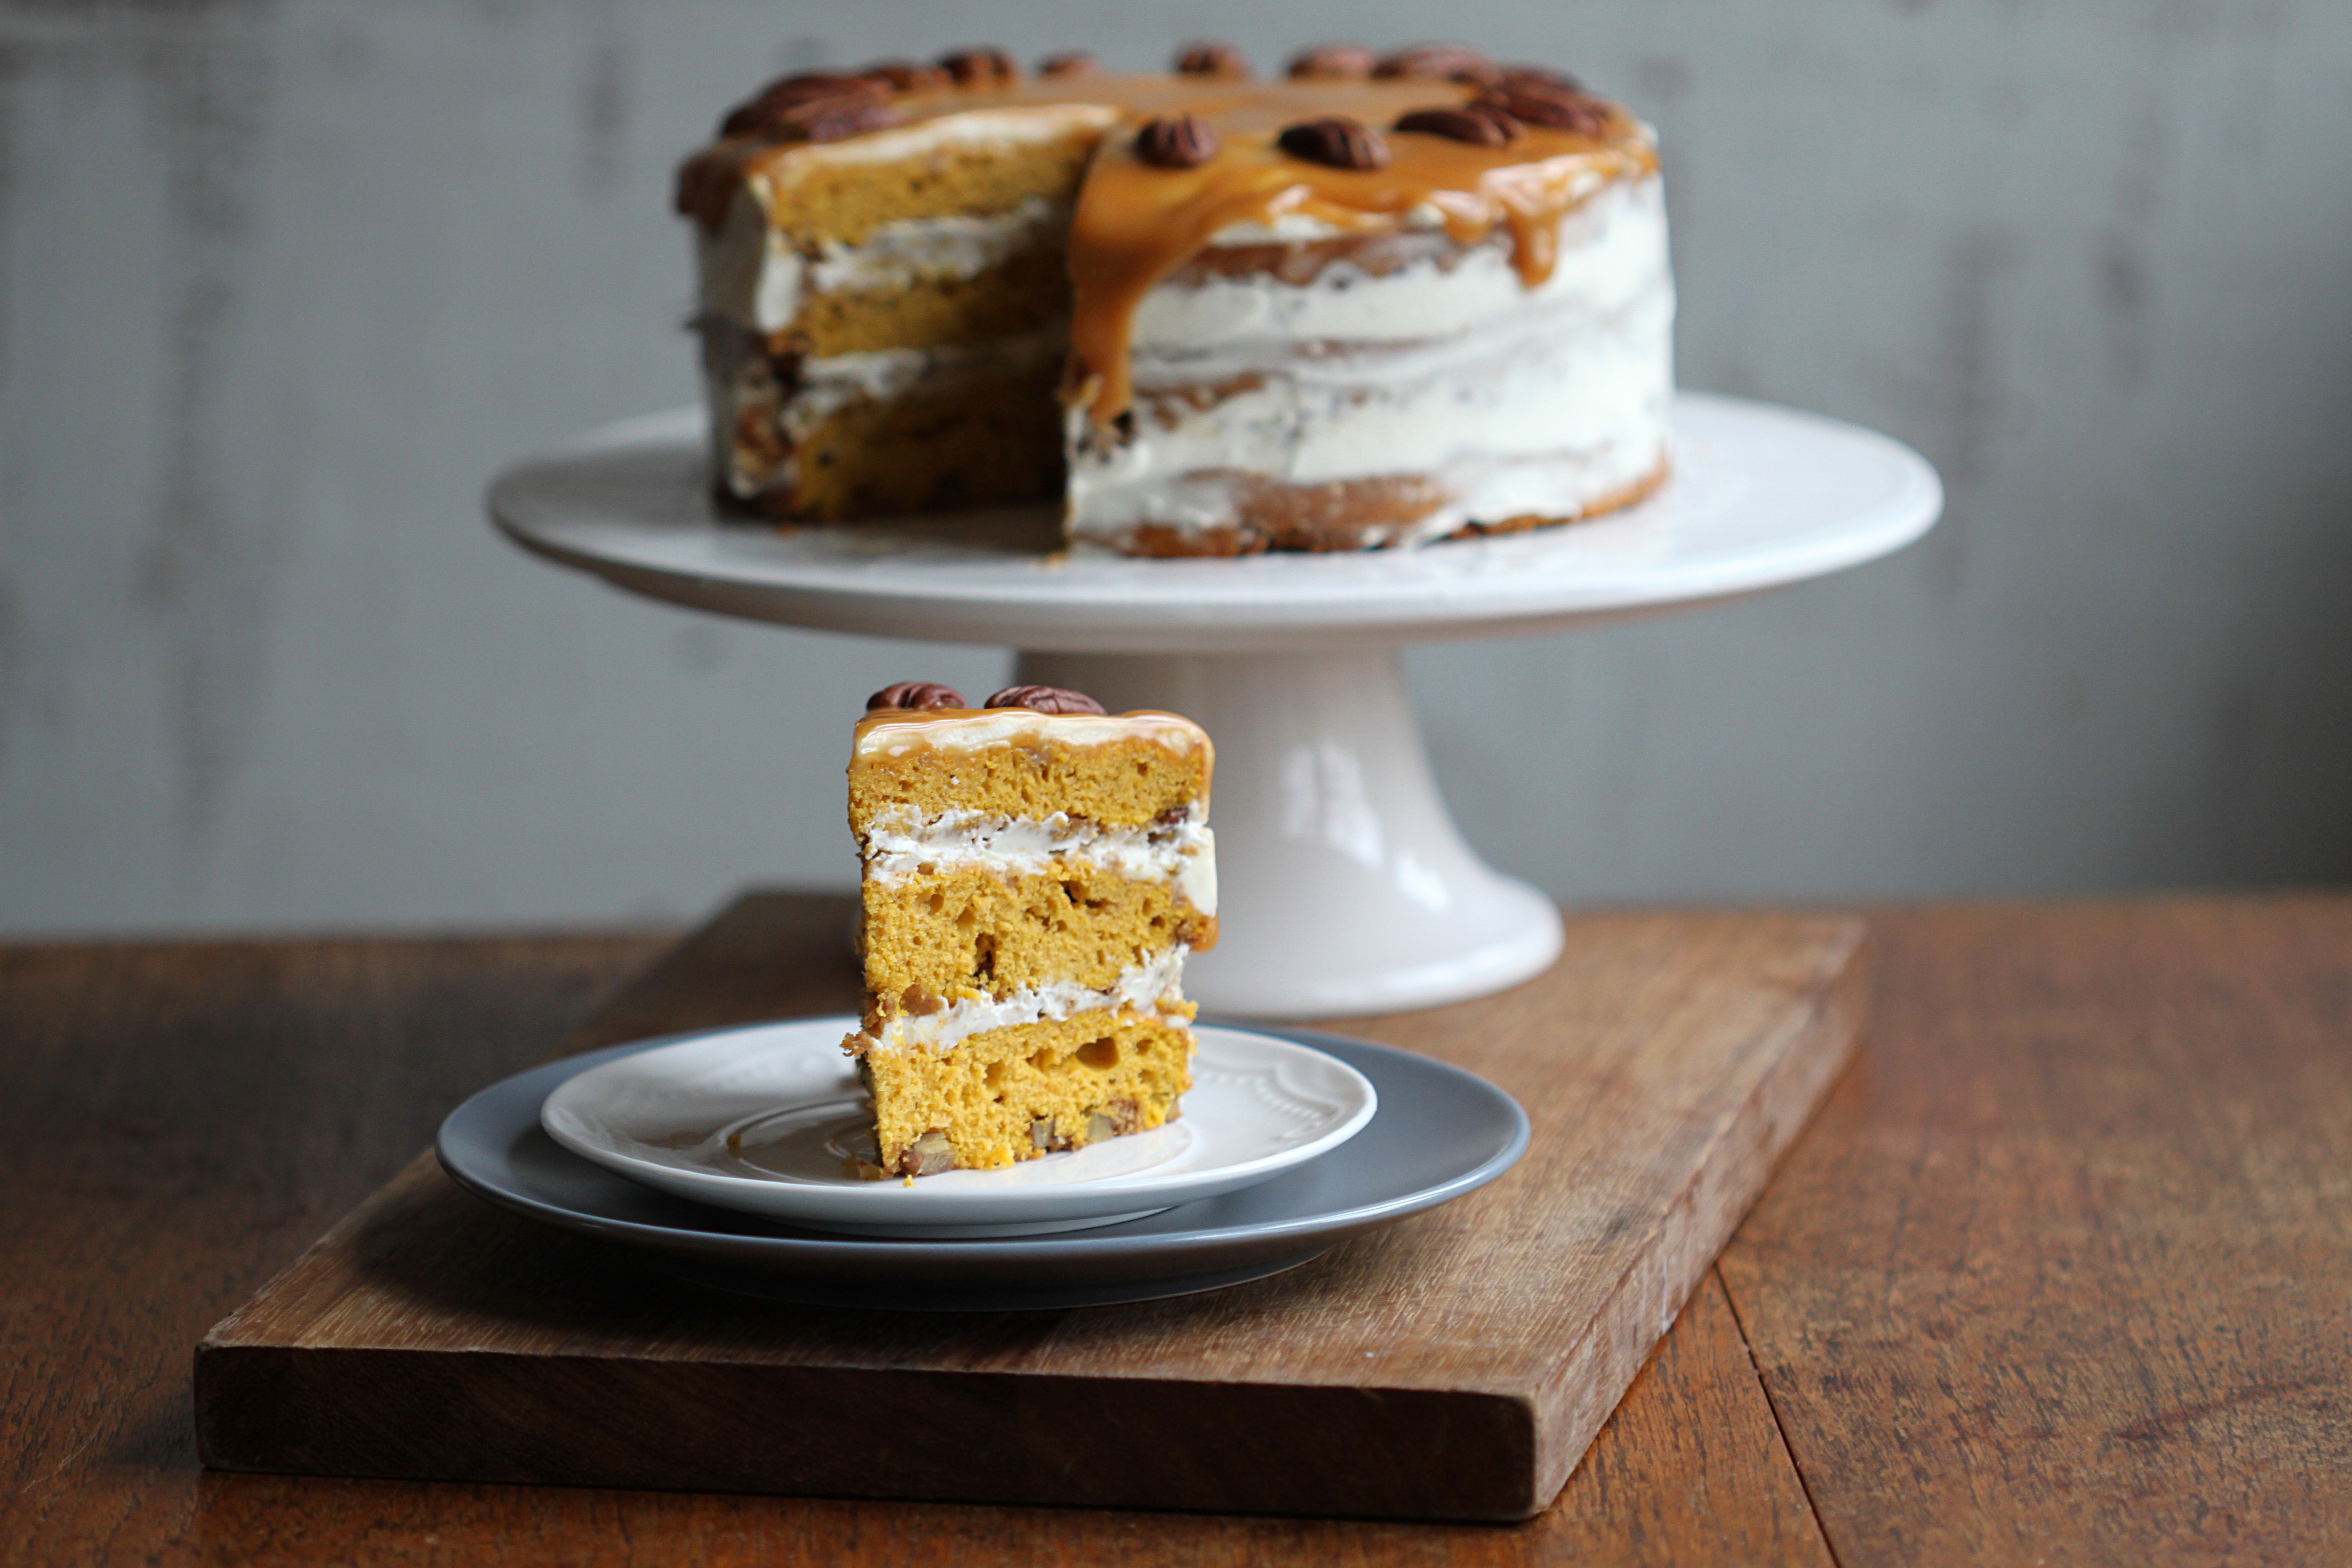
(1346, 887)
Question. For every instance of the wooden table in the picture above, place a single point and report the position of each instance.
(2062, 1273)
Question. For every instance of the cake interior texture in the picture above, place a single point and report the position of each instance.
(1031, 885)
(1006, 295)
(884, 334)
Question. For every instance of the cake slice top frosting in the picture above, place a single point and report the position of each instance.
(1445, 143)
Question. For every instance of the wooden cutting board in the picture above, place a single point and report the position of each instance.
(1453, 1366)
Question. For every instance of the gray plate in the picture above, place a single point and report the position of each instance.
(1440, 1132)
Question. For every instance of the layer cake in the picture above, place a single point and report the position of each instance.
(1378, 302)
(1033, 873)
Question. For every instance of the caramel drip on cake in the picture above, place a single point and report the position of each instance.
(1136, 224)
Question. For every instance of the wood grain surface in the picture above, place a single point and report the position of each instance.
(1455, 1365)
(2066, 1273)
(2032, 1288)
(177, 1121)
(1689, 1472)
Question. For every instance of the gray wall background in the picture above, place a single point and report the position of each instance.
(281, 285)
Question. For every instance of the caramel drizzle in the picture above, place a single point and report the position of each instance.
(1135, 225)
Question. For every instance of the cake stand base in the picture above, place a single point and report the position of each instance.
(1344, 886)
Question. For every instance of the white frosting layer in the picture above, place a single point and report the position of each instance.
(1012, 125)
(998, 726)
(827, 385)
(741, 385)
(1512, 400)
(758, 275)
(904, 843)
(1141, 989)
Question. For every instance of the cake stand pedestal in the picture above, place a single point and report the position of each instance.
(1346, 887)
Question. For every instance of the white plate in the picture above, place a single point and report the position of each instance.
(758, 1119)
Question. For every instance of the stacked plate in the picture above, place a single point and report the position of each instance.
(723, 1154)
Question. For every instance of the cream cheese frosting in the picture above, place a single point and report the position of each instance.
(1505, 398)
(828, 383)
(1151, 987)
(973, 728)
(904, 843)
(757, 276)
(740, 380)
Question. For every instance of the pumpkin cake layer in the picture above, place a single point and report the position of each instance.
(972, 930)
(984, 426)
(1030, 885)
(1027, 1089)
(1258, 344)
(1112, 770)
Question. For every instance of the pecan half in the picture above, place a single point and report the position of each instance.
(1335, 141)
(1069, 62)
(1045, 700)
(1441, 63)
(1175, 142)
(706, 183)
(1562, 109)
(834, 119)
(754, 114)
(1524, 75)
(919, 695)
(1211, 58)
(981, 65)
(1332, 61)
(907, 76)
(1480, 124)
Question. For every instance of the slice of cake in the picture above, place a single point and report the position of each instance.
(1379, 302)
(1035, 872)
